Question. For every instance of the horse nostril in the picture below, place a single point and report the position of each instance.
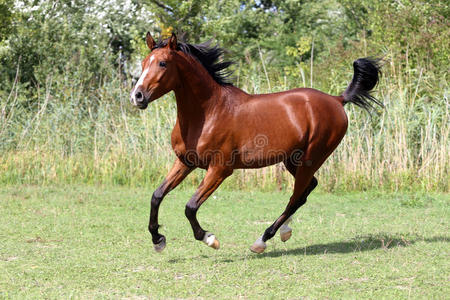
(139, 96)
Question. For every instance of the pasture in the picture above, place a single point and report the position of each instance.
(92, 242)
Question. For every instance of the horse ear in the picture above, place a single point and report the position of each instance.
(173, 42)
(150, 41)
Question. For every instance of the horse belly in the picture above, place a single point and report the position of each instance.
(266, 148)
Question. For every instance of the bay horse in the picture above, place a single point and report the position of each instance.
(220, 128)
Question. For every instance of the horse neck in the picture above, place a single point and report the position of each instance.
(197, 93)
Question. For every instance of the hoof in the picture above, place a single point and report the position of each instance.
(211, 241)
(285, 230)
(285, 235)
(161, 245)
(258, 247)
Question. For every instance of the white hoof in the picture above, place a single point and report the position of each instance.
(259, 246)
(210, 240)
(160, 246)
(285, 233)
(285, 230)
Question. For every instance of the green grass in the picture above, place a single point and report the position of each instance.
(92, 242)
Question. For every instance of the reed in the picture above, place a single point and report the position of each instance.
(79, 134)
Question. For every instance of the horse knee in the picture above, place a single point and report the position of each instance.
(157, 197)
(190, 210)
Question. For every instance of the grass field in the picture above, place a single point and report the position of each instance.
(92, 242)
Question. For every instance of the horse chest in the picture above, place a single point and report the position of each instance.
(196, 148)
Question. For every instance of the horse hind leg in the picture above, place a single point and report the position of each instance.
(305, 182)
(285, 230)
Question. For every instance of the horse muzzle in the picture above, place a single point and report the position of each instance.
(140, 98)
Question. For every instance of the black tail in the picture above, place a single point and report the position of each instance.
(365, 78)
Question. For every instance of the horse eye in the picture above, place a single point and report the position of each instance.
(162, 64)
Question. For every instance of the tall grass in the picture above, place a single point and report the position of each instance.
(79, 134)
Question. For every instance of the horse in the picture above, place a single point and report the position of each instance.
(220, 128)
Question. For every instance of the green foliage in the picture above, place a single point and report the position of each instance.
(181, 16)
(302, 46)
(66, 39)
(414, 31)
(5, 18)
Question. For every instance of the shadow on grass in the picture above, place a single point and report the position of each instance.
(356, 244)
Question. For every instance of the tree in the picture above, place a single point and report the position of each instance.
(5, 18)
(180, 16)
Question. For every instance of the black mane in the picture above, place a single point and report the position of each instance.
(209, 56)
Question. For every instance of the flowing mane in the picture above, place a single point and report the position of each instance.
(209, 56)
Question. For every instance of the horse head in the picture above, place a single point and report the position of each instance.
(159, 73)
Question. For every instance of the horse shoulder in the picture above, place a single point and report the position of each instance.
(178, 145)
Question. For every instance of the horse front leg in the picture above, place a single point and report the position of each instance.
(176, 175)
(214, 177)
